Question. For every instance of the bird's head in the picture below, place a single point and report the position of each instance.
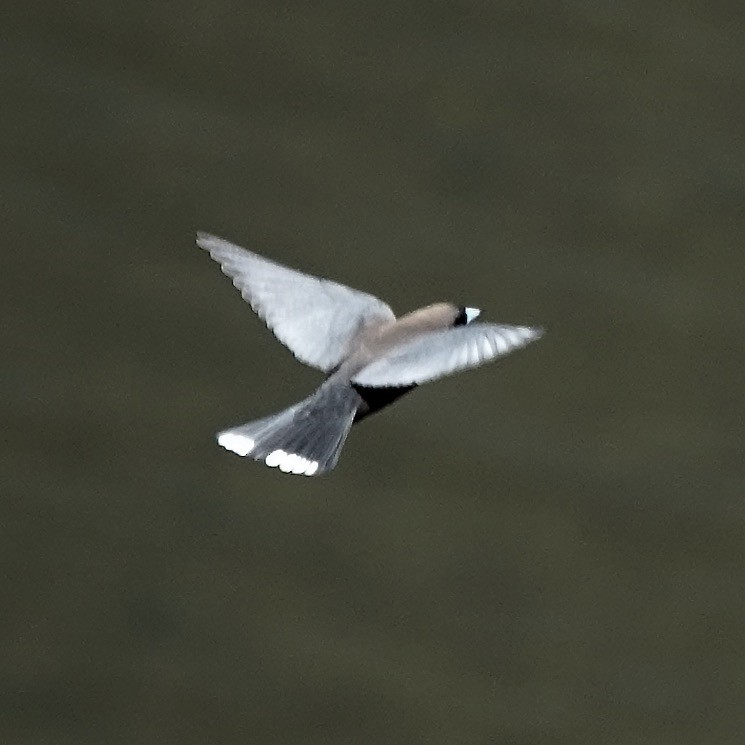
(465, 315)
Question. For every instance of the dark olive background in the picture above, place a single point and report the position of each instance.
(548, 550)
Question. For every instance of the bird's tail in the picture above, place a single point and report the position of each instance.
(305, 438)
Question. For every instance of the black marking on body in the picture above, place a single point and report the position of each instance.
(375, 399)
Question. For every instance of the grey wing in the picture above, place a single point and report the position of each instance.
(441, 353)
(315, 318)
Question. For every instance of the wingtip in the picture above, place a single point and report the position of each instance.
(537, 332)
(204, 238)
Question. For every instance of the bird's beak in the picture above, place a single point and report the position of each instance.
(471, 313)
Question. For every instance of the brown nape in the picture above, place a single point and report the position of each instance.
(375, 399)
(431, 317)
(422, 321)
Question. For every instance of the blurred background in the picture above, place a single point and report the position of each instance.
(550, 549)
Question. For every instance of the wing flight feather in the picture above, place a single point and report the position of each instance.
(441, 353)
(317, 319)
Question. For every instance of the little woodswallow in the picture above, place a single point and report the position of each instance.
(371, 357)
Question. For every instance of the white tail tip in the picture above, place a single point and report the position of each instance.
(291, 463)
(238, 444)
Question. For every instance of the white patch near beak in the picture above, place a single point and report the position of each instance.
(472, 313)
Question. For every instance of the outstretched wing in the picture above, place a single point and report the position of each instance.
(441, 353)
(315, 318)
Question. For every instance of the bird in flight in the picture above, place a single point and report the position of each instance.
(371, 358)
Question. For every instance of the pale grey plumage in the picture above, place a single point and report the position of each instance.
(316, 319)
(433, 355)
(372, 357)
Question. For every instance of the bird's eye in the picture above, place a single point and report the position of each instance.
(466, 315)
